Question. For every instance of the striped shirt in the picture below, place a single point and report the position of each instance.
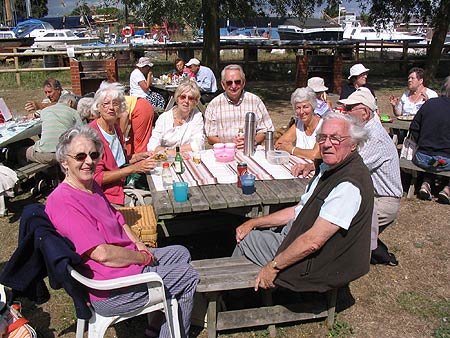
(223, 118)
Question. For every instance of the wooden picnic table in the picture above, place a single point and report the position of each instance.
(11, 131)
(220, 197)
(397, 124)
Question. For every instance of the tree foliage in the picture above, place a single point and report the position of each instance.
(38, 8)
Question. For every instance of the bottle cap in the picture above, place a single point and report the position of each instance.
(166, 165)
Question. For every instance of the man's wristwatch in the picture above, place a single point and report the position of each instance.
(273, 264)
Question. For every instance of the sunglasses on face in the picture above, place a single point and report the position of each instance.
(334, 139)
(236, 82)
(184, 97)
(81, 157)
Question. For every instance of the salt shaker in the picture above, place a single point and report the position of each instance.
(269, 141)
(249, 134)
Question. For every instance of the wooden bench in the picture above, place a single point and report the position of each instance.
(234, 273)
(27, 171)
(408, 165)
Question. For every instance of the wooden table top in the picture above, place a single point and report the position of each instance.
(397, 124)
(224, 196)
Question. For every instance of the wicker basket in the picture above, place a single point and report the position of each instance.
(142, 221)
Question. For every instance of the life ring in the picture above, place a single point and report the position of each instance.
(127, 31)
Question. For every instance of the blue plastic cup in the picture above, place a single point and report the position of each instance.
(180, 191)
(248, 184)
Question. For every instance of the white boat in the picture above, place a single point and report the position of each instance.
(56, 38)
(355, 31)
(293, 32)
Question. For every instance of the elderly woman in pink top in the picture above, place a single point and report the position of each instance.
(79, 211)
(115, 165)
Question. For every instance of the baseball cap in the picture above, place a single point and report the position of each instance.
(317, 84)
(193, 61)
(357, 69)
(144, 61)
(361, 95)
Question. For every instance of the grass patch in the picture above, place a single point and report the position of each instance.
(424, 307)
(340, 329)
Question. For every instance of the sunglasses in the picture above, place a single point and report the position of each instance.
(184, 97)
(81, 157)
(236, 82)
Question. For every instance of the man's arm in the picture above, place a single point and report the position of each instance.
(303, 246)
(276, 219)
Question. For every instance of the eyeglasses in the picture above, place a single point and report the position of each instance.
(236, 82)
(184, 97)
(353, 108)
(81, 157)
(115, 104)
(334, 139)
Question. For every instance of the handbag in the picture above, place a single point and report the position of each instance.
(12, 323)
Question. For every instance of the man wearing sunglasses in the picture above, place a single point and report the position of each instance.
(380, 156)
(225, 114)
(325, 239)
(204, 76)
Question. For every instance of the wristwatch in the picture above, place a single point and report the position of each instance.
(273, 264)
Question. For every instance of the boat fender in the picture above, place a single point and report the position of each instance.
(127, 31)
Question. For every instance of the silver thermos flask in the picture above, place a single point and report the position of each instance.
(249, 134)
(269, 141)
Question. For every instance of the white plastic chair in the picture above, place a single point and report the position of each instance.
(157, 302)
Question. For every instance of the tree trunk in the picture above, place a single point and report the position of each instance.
(211, 35)
(442, 23)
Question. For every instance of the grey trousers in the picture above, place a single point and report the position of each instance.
(44, 158)
(180, 280)
(260, 246)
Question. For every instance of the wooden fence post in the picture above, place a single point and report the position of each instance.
(16, 67)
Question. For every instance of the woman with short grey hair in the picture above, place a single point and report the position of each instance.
(84, 109)
(300, 138)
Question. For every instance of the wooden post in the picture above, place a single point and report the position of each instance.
(16, 67)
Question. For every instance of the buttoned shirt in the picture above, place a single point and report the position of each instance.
(223, 118)
(206, 80)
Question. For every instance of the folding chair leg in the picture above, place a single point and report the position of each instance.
(81, 324)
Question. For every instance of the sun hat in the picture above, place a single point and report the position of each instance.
(357, 69)
(144, 61)
(361, 95)
(317, 84)
(193, 61)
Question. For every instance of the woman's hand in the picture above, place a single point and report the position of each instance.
(144, 166)
(286, 146)
(393, 100)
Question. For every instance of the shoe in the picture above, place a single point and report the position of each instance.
(425, 192)
(443, 197)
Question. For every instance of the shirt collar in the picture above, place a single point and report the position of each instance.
(239, 101)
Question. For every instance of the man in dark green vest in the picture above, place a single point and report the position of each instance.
(326, 241)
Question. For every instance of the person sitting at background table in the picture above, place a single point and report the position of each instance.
(317, 84)
(300, 138)
(80, 211)
(181, 125)
(181, 69)
(225, 114)
(430, 130)
(115, 165)
(206, 80)
(414, 97)
(141, 80)
(357, 79)
(53, 91)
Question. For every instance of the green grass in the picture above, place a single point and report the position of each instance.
(340, 330)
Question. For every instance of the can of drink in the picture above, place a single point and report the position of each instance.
(241, 170)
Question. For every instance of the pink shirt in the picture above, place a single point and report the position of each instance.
(89, 220)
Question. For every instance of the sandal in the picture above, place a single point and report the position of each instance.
(425, 192)
(443, 197)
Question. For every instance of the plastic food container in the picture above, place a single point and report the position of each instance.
(277, 157)
(224, 156)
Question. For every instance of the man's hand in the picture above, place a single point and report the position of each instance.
(303, 169)
(31, 106)
(243, 230)
(265, 277)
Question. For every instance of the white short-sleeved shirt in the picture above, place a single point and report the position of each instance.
(332, 209)
(302, 140)
(136, 76)
(411, 108)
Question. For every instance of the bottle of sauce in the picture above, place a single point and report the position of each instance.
(166, 176)
(178, 164)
